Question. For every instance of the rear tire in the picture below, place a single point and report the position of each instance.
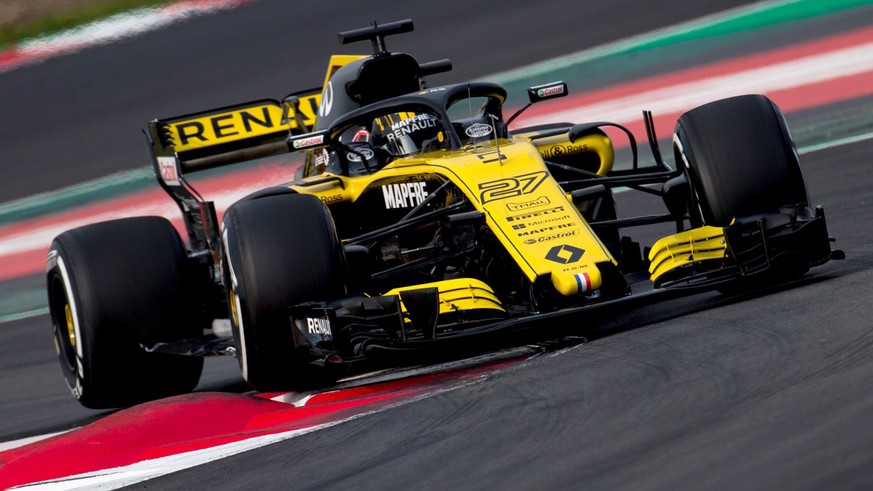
(113, 286)
(739, 160)
(280, 251)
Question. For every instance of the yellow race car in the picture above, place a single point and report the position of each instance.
(420, 219)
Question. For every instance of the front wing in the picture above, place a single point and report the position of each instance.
(419, 318)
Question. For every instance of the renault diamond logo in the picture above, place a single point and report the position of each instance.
(565, 254)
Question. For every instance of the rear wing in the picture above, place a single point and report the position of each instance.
(182, 145)
(233, 134)
(209, 139)
(230, 134)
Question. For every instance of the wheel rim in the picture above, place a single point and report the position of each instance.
(64, 325)
(234, 312)
(71, 328)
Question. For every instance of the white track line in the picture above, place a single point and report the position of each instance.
(792, 74)
(112, 29)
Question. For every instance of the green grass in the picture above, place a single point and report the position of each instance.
(71, 18)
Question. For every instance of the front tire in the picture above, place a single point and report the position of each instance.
(113, 286)
(739, 160)
(741, 163)
(281, 251)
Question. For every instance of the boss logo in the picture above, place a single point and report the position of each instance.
(559, 150)
(331, 199)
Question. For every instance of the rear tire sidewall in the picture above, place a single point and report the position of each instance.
(123, 281)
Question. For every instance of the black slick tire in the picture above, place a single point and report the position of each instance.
(739, 159)
(112, 287)
(280, 251)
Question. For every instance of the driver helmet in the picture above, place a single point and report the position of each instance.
(359, 157)
(407, 133)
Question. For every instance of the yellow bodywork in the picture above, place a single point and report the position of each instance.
(461, 294)
(559, 146)
(689, 247)
(508, 182)
(259, 119)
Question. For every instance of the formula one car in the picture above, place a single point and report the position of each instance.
(420, 219)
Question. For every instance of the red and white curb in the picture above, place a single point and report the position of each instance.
(112, 29)
(162, 437)
(797, 77)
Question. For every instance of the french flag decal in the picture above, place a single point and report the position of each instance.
(584, 282)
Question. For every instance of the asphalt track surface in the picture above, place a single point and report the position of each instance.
(766, 390)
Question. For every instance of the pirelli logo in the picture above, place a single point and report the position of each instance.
(541, 214)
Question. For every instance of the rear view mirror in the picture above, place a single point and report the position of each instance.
(548, 91)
